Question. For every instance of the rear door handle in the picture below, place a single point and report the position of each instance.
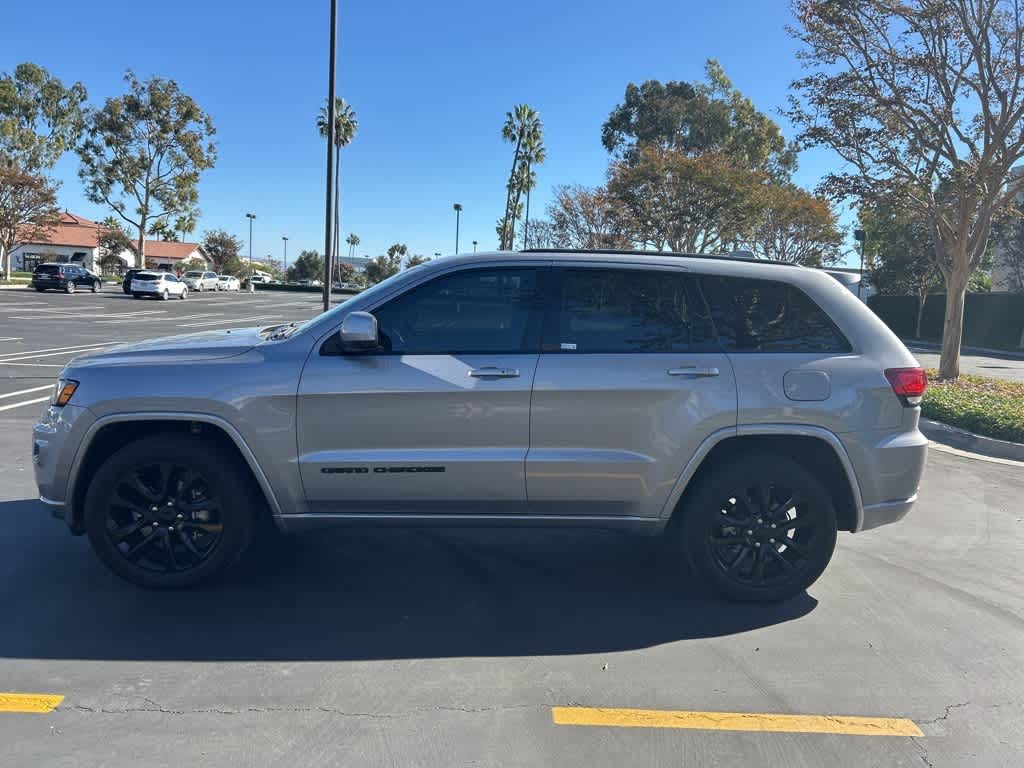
(693, 371)
(493, 372)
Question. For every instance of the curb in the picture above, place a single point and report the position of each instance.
(929, 346)
(968, 441)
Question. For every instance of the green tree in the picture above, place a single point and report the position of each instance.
(924, 97)
(383, 267)
(701, 204)
(40, 119)
(308, 266)
(113, 241)
(28, 208)
(345, 126)
(794, 226)
(346, 273)
(522, 128)
(224, 249)
(143, 153)
(694, 119)
(415, 260)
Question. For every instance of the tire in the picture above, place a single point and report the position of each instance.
(163, 296)
(211, 504)
(727, 505)
(184, 294)
(97, 286)
(136, 295)
(70, 287)
(40, 290)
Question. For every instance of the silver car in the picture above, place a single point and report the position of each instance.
(198, 280)
(748, 411)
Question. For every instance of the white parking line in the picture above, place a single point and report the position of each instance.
(20, 353)
(26, 391)
(11, 338)
(54, 310)
(33, 356)
(27, 402)
(36, 365)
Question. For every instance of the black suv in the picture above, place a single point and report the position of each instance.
(65, 277)
(126, 283)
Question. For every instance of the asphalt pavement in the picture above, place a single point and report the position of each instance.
(494, 648)
(998, 365)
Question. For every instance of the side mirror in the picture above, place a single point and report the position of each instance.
(359, 332)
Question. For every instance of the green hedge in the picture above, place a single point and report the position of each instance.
(994, 320)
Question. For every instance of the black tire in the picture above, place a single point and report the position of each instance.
(758, 528)
(136, 295)
(184, 294)
(97, 286)
(170, 470)
(70, 287)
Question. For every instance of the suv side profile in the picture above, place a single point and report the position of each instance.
(65, 277)
(747, 411)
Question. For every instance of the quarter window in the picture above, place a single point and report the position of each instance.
(623, 311)
(473, 312)
(768, 316)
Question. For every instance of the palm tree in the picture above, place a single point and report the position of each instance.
(533, 153)
(345, 126)
(522, 124)
(353, 241)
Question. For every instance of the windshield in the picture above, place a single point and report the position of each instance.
(193, 274)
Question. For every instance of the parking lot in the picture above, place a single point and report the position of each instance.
(388, 647)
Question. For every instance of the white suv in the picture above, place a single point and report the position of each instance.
(162, 285)
(197, 280)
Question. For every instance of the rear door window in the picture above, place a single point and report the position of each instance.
(768, 316)
(623, 311)
(47, 269)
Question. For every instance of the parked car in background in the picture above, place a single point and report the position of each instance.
(198, 280)
(65, 277)
(161, 285)
(746, 410)
(126, 282)
(228, 283)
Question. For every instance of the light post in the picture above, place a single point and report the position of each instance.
(458, 213)
(250, 217)
(331, 132)
(437, 254)
(474, 246)
(858, 235)
(285, 238)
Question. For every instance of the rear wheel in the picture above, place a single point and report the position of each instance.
(184, 294)
(169, 512)
(40, 289)
(163, 296)
(70, 287)
(759, 528)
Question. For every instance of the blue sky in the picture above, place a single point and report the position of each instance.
(430, 82)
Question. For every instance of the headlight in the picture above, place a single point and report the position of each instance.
(63, 391)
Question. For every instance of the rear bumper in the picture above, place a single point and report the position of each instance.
(887, 512)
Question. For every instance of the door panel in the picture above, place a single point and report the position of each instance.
(437, 420)
(629, 383)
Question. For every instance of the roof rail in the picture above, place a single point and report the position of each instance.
(734, 256)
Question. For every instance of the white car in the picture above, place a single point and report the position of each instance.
(198, 280)
(228, 283)
(162, 285)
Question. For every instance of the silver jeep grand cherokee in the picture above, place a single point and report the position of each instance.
(747, 410)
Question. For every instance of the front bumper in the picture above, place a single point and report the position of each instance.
(55, 440)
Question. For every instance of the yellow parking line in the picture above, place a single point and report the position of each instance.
(39, 703)
(735, 721)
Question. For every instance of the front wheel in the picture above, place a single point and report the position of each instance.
(163, 296)
(70, 287)
(759, 528)
(97, 286)
(169, 511)
(40, 290)
(184, 294)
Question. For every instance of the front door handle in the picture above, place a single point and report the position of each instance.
(493, 372)
(693, 371)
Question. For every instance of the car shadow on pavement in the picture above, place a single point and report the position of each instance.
(359, 594)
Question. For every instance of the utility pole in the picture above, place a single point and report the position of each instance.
(331, 129)
(250, 217)
(458, 213)
(285, 238)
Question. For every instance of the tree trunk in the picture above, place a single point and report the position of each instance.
(5, 262)
(508, 197)
(142, 245)
(953, 326)
(921, 299)
(526, 222)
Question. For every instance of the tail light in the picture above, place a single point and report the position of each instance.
(908, 384)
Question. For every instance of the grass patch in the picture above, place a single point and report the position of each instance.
(985, 406)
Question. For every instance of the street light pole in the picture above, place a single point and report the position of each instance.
(331, 129)
(474, 246)
(250, 217)
(285, 238)
(458, 213)
(858, 235)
